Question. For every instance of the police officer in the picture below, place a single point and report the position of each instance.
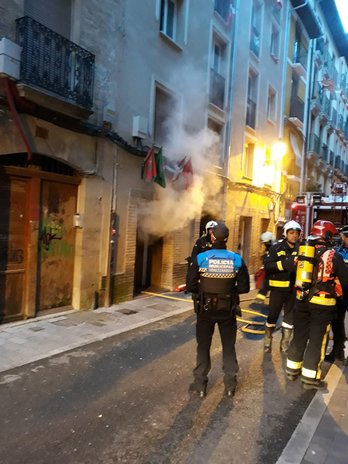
(315, 308)
(204, 242)
(216, 277)
(267, 239)
(338, 329)
(281, 284)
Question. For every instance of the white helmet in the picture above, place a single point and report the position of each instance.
(267, 237)
(210, 225)
(292, 225)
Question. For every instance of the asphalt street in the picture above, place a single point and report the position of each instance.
(125, 400)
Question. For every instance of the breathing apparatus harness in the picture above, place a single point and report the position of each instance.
(312, 269)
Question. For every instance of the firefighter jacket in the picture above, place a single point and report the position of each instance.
(331, 274)
(202, 244)
(218, 272)
(279, 277)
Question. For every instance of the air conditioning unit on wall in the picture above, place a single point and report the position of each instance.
(10, 58)
(140, 127)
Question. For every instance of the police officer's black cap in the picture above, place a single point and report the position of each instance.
(221, 232)
(344, 231)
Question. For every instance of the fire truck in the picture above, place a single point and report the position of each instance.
(310, 207)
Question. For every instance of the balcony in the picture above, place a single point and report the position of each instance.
(217, 89)
(251, 114)
(323, 152)
(54, 72)
(314, 144)
(299, 59)
(340, 126)
(296, 111)
(337, 162)
(222, 7)
(331, 158)
(255, 41)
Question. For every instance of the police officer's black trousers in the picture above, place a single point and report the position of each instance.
(277, 301)
(338, 329)
(204, 332)
(311, 331)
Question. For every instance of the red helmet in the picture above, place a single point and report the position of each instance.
(324, 229)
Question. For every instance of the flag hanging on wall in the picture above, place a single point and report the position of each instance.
(149, 167)
(160, 178)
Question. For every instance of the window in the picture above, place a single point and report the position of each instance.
(251, 101)
(275, 42)
(52, 14)
(217, 79)
(271, 104)
(169, 18)
(248, 162)
(255, 28)
(165, 102)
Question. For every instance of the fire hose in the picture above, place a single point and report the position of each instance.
(247, 322)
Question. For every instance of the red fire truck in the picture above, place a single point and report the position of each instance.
(308, 208)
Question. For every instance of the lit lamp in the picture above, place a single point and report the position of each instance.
(77, 221)
(278, 151)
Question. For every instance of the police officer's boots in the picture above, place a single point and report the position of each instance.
(285, 340)
(267, 344)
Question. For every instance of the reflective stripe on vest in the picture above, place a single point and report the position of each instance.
(279, 283)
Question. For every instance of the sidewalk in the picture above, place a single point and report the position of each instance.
(321, 437)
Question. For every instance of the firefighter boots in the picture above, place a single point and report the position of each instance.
(336, 353)
(267, 344)
(285, 340)
(317, 384)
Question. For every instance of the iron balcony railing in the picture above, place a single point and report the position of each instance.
(331, 158)
(337, 162)
(314, 143)
(251, 114)
(296, 108)
(323, 152)
(300, 54)
(217, 89)
(222, 7)
(340, 123)
(255, 41)
(54, 63)
(334, 117)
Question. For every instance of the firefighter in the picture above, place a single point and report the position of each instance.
(216, 277)
(338, 328)
(267, 239)
(315, 307)
(204, 242)
(281, 284)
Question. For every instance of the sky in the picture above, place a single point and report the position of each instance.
(342, 6)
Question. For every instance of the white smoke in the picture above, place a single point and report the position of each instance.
(174, 206)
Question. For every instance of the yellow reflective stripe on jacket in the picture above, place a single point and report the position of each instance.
(281, 253)
(280, 266)
(293, 364)
(279, 283)
(320, 300)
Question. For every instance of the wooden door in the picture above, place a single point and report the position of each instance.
(13, 226)
(57, 244)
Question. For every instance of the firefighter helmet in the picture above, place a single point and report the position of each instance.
(266, 237)
(210, 225)
(323, 229)
(291, 225)
(221, 232)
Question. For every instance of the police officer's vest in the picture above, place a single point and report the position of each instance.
(218, 270)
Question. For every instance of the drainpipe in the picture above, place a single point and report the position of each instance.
(229, 108)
